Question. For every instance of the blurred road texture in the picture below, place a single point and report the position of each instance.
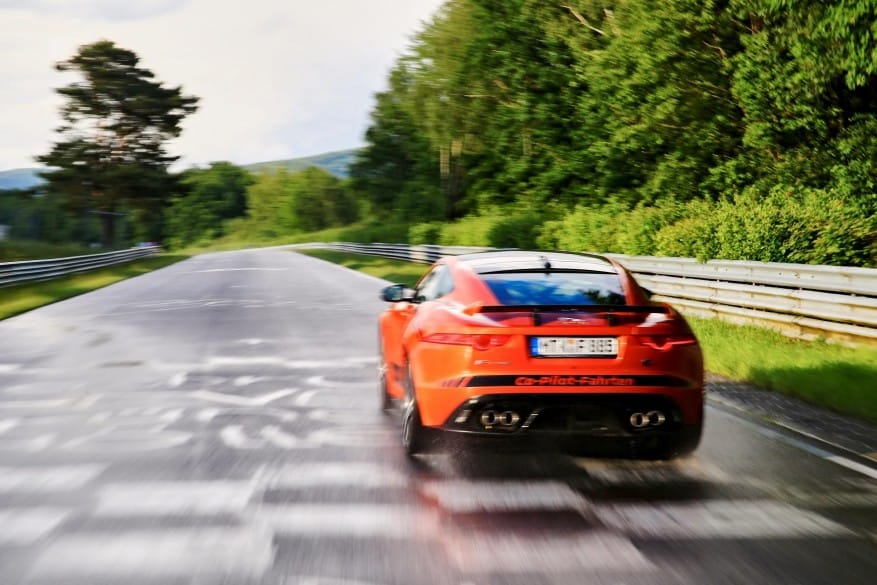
(217, 422)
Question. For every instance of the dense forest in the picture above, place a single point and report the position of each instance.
(735, 129)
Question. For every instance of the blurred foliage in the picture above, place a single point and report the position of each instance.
(110, 158)
(33, 216)
(207, 197)
(281, 203)
(736, 129)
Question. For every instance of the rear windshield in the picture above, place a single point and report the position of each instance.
(555, 288)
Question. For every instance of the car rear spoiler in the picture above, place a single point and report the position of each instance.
(536, 310)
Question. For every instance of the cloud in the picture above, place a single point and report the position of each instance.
(98, 9)
(276, 78)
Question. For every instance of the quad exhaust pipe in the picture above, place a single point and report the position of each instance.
(641, 420)
(506, 420)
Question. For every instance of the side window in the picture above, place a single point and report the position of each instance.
(435, 284)
(446, 282)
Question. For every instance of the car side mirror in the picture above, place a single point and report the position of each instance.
(396, 293)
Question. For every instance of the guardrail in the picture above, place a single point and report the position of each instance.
(36, 270)
(800, 300)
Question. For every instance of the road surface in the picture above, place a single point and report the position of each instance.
(217, 421)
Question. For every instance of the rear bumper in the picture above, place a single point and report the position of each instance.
(597, 424)
(567, 414)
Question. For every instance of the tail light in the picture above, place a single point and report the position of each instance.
(666, 342)
(479, 341)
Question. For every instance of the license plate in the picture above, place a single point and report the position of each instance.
(573, 346)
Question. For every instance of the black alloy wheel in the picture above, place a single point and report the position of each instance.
(414, 438)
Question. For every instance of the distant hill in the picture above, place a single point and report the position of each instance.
(338, 163)
(20, 179)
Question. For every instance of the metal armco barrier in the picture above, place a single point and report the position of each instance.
(35, 270)
(800, 300)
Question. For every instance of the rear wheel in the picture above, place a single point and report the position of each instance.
(414, 434)
(383, 396)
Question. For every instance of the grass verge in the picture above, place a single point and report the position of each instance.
(24, 297)
(838, 377)
(833, 376)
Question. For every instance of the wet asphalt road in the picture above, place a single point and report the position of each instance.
(217, 422)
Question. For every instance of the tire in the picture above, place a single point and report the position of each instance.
(383, 396)
(414, 434)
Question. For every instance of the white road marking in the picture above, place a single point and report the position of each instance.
(30, 404)
(180, 498)
(233, 554)
(463, 496)
(114, 441)
(178, 380)
(601, 550)
(834, 499)
(253, 269)
(208, 414)
(234, 437)
(237, 400)
(350, 520)
(310, 475)
(48, 479)
(283, 440)
(28, 445)
(352, 417)
(855, 466)
(717, 519)
(26, 526)
(247, 380)
(9, 368)
(148, 417)
(799, 444)
(8, 423)
(304, 398)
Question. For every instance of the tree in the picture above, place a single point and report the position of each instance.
(111, 157)
(208, 198)
(282, 203)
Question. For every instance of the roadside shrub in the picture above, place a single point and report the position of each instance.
(590, 229)
(516, 231)
(425, 233)
(810, 226)
(468, 231)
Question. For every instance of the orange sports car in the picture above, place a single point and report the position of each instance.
(544, 348)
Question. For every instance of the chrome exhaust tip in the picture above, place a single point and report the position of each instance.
(505, 420)
(653, 418)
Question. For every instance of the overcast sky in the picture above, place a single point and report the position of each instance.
(277, 78)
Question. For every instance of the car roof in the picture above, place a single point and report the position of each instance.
(525, 260)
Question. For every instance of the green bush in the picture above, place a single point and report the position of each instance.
(585, 229)
(468, 231)
(515, 231)
(425, 233)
